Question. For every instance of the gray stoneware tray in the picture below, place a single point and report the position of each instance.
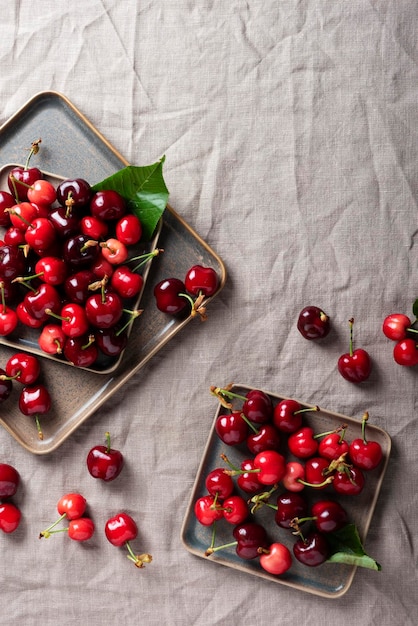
(73, 147)
(329, 580)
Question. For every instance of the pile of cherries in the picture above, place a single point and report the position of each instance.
(66, 265)
(10, 514)
(279, 453)
(34, 397)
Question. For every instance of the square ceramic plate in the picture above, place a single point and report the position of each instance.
(25, 338)
(72, 147)
(330, 580)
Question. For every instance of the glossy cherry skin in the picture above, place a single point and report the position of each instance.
(289, 505)
(231, 428)
(66, 223)
(276, 559)
(313, 323)
(10, 517)
(40, 234)
(128, 230)
(287, 417)
(312, 550)
(76, 286)
(25, 368)
(250, 537)
(248, 481)
(105, 462)
(258, 407)
(110, 341)
(328, 515)
(167, 297)
(217, 482)
(79, 252)
(52, 339)
(332, 446)
(266, 438)
(355, 367)
(125, 282)
(201, 279)
(7, 201)
(74, 320)
(12, 262)
(72, 505)
(207, 510)
(104, 311)
(42, 302)
(294, 476)
(52, 269)
(235, 509)
(120, 529)
(349, 482)
(81, 351)
(366, 455)
(302, 443)
(42, 192)
(8, 320)
(27, 176)
(107, 205)
(316, 471)
(9, 480)
(81, 529)
(405, 352)
(395, 326)
(77, 190)
(34, 400)
(271, 466)
(93, 227)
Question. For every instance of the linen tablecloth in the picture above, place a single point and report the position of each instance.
(289, 130)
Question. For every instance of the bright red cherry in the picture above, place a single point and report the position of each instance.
(72, 505)
(328, 516)
(207, 510)
(355, 365)
(40, 234)
(10, 517)
(126, 283)
(8, 316)
(231, 428)
(201, 280)
(120, 530)
(363, 453)
(333, 445)
(167, 297)
(271, 466)
(104, 310)
(25, 368)
(235, 509)
(105, 462)
(288, 415)
(20, 178)
(313, 323)
(219, 483)
(395, 326)
(317, 472)
(302, 443)
(94, 227)
(52, 270)
(294, 478)
(128, 230)
(34, 401)
(276, 559)
(81, 529)
(9, 480)
(42, 192)
(405, 352)
(349, 481)
(107, 205)
(52, 339)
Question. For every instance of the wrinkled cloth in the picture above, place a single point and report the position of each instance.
(290, 135)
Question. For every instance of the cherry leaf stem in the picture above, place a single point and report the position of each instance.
(132, 318)
(144, 258)
(34, 149)
(351, 323)
(228, 462)
(307, 410)
(341, 429)
(138, 559)
(363, 426)
(211, 550)
(3, 298)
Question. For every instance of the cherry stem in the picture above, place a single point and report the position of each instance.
(39, 428)
(363, 426)
(197, 307)
(327, 481)
(262, 498)
(22, 281)
(144, 258)
(107, 435)
(351, 322)
(233, 467)
(45, 533)
(3, 298)
(138, 559)
(34, 149)
(211, 550)
(340, 429)
(306, 410)
(133, 316)
(56, 316)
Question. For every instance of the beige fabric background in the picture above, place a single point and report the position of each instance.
(289, 130)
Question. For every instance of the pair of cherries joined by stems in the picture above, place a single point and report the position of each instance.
(10, 514)
(34, 398)
(399, 328)
(355, 365)
(235, 493)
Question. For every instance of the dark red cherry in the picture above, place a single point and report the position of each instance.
(107, 205)
(290, 504)
(74, 192)
(80, 251)
(313, 323)
(258, 407)
(76, 286)
(201, 279)
(111, 341)
(311, 550)
(167, 296)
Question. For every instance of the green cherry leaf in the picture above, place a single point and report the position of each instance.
(346, 547)
(145, 191)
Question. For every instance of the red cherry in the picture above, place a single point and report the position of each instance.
(25, 317)
(42, 302)
(247, 480)
(266, 438)
(276, 559)
(107, 205)
(328, 516)
(40, 234)
(42, 192)
(302, 443)
(207, 510)
(25, 368)
(119, 531)
(250, 537)
(128, 230)
(349, 481)
(258, 406)
(10, 517)
(288, 415)
(317, 472)
(290, 505)
(72, 505)
(231, 428)
(219, 483)
(355, 365)
(363, 453)
(201, 280)
(9, 480)
(20, 178)
(81, 529)
(167, 297)
(294, 478)
(34, 401)
(74, 321)
(6, 202)
(105, 462)
(81, 351)
(8, 318)
(125, 282)
(311, 550)
(52, 269)
(405, 352)
(52, 339)
(333, 445)
(104, 310)
(395, 326)
(6, 386)
(271, 466)
(94, 227)
(313, 323)
(114, 251)
(22, 214)
(235, 509)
